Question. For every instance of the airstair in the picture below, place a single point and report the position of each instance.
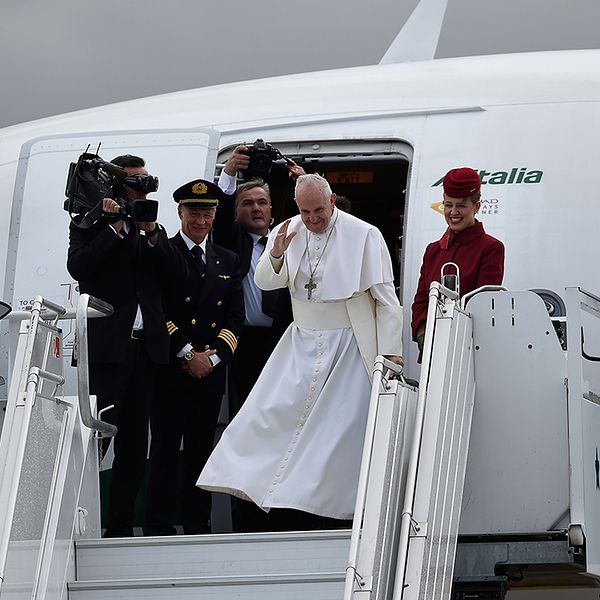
(492, 466)
(482, 479)
(50, 544)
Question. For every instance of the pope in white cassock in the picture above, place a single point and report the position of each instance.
(297, 440)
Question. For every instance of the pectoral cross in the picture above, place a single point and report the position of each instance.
(310, 286)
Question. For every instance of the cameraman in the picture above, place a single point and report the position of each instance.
(115, 260)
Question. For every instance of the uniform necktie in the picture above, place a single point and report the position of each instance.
(263, 242)
(199, 256)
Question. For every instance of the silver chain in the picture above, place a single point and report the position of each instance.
(310, 267)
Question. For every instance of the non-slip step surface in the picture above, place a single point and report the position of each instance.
(212, 555)
(320, 586)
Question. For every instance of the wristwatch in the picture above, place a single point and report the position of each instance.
(188, 355)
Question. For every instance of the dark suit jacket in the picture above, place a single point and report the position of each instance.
(207, 312)
(228, 233)
(124, 273)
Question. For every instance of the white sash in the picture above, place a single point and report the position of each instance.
(320, 315)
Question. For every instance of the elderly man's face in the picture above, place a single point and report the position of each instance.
(196, 223)
(315, 207)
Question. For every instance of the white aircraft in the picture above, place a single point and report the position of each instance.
(383, 135)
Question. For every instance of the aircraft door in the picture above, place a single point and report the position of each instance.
(38, 237)
(449, 140)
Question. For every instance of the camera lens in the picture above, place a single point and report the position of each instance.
(261, 163)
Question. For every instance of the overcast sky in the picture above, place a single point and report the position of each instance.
(62, 55)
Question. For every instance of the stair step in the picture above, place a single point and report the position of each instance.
(316, 586)
(250, 554)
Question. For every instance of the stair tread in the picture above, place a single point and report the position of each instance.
(212, 556)
(225, 579)
(223, 538)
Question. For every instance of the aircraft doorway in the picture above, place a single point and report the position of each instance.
(372, 175)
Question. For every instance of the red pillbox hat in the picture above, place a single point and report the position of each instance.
(461, 182)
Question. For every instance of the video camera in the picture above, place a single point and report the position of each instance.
(262, 155)
(91, 179)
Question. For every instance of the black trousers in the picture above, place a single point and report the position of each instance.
(254, 348)
(131, 387)
(187, 409)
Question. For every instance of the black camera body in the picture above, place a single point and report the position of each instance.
(262, 155)
(91, 179)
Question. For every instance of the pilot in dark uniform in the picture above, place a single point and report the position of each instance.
(205, 314)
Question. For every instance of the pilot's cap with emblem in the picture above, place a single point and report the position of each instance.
(199, 193)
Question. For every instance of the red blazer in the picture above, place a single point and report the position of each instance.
(479, 256)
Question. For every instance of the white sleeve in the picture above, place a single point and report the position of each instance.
(385, 294)
(227, 183)
(389, 319)
(185, 349)
(271, 273)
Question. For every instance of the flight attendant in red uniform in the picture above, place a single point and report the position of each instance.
(479, 256)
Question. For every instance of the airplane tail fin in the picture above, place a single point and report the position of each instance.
(418, 39)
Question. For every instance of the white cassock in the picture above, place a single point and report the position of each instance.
(297, 440)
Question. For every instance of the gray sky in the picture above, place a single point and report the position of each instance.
(63, 55)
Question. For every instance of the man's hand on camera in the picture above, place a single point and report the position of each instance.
(110, 206)
(147, 226)
(294, 170)
(238, 161)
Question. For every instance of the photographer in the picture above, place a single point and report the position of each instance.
(242, 225)
(114, 259)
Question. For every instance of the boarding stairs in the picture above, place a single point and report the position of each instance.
(480, 479)
(485, 480)
(50, 523)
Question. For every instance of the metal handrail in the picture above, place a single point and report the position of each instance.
(577, 301)
(27, 389)
(380, 367)
(406, 515)
(81, 349)
(67, 314)
(436, 292)
(87, 307)
(443, 276)
(483, 288)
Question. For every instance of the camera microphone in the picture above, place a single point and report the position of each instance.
(114, 170)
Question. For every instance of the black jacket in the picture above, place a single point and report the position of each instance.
(122, 271)
(207, 312)
(228, 233)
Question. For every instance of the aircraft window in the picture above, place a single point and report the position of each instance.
(374, 182)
